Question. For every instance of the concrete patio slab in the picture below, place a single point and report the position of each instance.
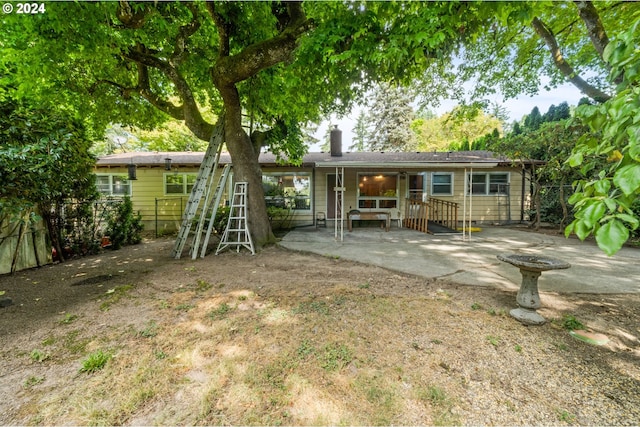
(473, 261)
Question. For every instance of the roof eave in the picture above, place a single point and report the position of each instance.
(396, 165)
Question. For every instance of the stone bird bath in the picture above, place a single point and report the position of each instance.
(531, 267)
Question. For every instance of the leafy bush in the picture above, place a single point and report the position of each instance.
(124, 227)
(551, 208)
(79, 228)
(279, 217)
(222, 217)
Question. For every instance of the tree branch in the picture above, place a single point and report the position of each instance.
(190, 111)
(129, 18)
(143, 90)
(591, 19)
(184, 33)
(259, 56)
(565, 68)
(224, 29)
(595, 28)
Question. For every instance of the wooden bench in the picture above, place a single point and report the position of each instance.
(369, 216)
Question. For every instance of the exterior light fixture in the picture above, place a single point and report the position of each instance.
(132, 171)
(167, 164)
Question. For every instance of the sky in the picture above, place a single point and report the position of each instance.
(517, 108)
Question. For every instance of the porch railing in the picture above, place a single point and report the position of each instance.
(444, 213)
(418, 214)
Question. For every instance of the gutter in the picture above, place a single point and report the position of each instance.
(405, 165)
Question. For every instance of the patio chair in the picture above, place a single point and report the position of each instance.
(396, 215)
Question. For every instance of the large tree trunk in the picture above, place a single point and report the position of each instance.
(246, 167)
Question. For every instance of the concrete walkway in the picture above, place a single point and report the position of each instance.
(473, 261)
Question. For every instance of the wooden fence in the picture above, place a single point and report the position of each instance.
(22, 246)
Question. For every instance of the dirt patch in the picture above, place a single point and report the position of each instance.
(291, 338)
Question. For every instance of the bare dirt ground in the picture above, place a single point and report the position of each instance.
(297, 339)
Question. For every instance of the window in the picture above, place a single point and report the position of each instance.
(490, 183)
(179, 183)
(113, 185)
(287, 190)
(442, 183)
(377, 191)
(416, 187)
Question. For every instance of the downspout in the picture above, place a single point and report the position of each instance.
(524, 177)
(313, 197)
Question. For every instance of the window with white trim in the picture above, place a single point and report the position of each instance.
(442, 183)
(377, 191)
(113, 184)
(490, 183)
(179, 184)
(288, 190)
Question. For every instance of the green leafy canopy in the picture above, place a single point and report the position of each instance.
(605, 201)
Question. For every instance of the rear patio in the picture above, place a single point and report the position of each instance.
(472, 260)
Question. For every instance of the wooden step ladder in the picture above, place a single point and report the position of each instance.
(237, 231)
(202, 183)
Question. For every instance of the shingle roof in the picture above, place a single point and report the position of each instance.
(318, 159)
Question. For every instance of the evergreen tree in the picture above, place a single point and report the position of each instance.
(533, 120)
(360, 133)
(390, 120)
(562, 111)
(516, 129)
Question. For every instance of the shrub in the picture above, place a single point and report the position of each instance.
(124, 227)
(222, 217)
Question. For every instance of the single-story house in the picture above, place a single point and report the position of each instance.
(485, 188)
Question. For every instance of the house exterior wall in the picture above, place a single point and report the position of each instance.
(163, 212)
(482, 209)
(160, 211)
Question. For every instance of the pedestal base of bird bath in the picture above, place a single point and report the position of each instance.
(528, 298)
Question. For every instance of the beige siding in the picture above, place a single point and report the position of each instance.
(482, 208)
(488, 208)
(148, 194)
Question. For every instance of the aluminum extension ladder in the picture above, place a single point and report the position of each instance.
(211, 203)
(237, 231)
(202, 183)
